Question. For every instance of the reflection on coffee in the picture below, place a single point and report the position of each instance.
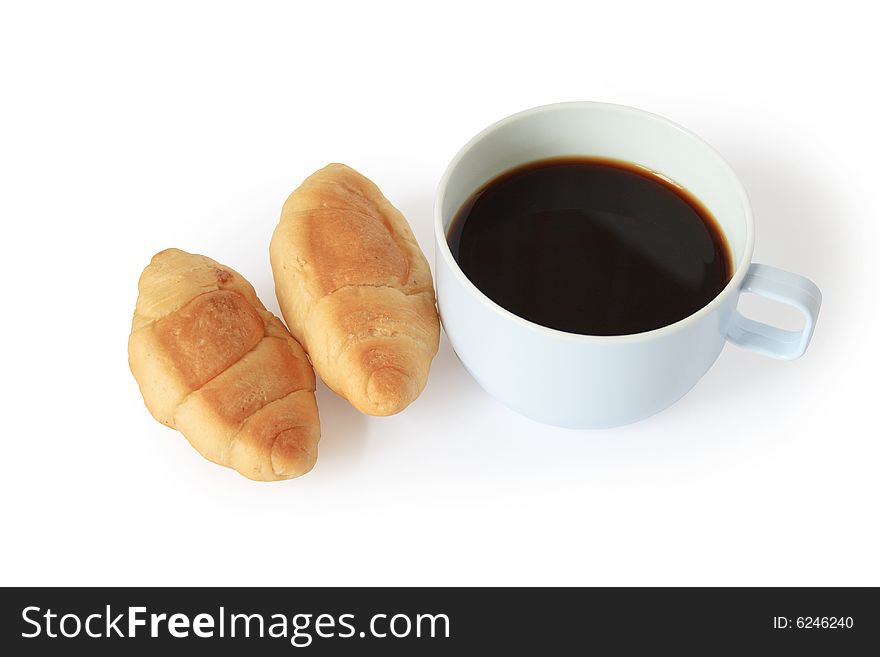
(591, 246)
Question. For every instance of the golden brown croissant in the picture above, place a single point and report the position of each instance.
(214, 364)
(356, 290)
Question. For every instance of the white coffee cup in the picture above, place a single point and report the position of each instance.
(584, 381)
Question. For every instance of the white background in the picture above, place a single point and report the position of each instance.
(130, 127)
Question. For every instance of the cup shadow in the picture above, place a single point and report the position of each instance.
(795, 207)
(795, 210)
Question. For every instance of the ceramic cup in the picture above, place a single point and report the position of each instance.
(584, 381)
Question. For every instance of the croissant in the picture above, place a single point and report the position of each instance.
(214, 364)
(355, 289)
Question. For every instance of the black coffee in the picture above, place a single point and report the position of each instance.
(591, 246)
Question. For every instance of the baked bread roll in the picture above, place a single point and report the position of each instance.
(356, 290)
(214, 364)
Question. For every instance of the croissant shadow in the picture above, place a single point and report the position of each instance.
(343, 435)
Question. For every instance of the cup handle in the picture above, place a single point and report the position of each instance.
(787, 288)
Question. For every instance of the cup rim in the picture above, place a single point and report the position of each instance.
(441, 246)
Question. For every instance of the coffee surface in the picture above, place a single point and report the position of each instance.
(591, 246)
